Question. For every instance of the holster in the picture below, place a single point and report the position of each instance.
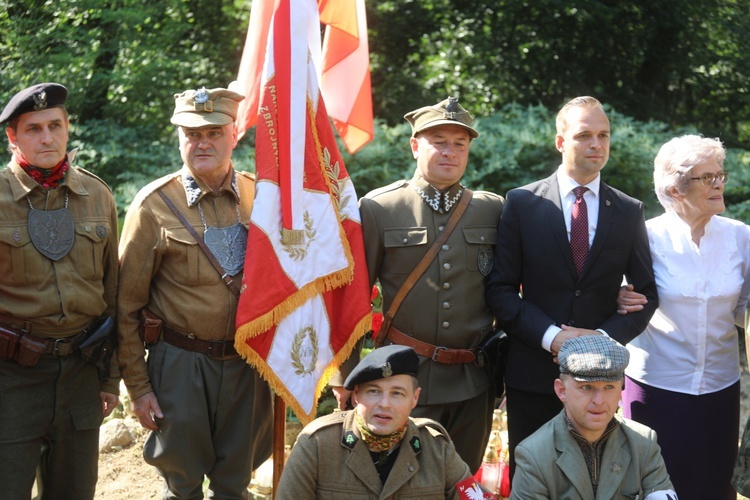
(150, 327)
(99, 345)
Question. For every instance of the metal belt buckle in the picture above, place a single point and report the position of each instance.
(217, 345)
(437, 352)
(59, 344)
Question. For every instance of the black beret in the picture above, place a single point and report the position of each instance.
(35, 98)
(384, 362)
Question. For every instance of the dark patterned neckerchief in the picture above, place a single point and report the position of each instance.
(48, 178)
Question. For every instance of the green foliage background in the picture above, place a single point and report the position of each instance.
(665, 67)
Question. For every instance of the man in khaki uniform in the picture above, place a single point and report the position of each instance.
(444, 316)
(58, 279)
(377, 451)
(210, 412)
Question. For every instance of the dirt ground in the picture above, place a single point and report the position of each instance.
(124, 475)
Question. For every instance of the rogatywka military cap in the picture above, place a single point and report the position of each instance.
(35, 98)
(384, 362)
(205, 107)
(447, 112)
(592, 358)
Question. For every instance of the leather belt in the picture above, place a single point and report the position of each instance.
(436, 353)
(61, 347)
(221, 349)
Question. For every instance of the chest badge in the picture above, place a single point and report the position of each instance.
(485, 260)
(52, 232)
(228, 244)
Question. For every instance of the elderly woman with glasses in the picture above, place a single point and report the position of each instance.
(684, 371)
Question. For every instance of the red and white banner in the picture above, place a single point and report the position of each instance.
(306, 298)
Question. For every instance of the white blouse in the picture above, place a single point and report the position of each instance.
(690, 345)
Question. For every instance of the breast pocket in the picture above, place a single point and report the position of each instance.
(20, 262)
(189, 265)
(404, 247)
(480, 245)
(91, 237)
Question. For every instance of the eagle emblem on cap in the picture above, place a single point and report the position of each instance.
(201, 95)
(40, 100)
(452, 104)
(451, 110)
(387, 371)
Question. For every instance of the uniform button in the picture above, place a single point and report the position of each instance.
(481, 238)
(446, 286)
(446, 247)
(446, 324)
(447, 266)
(446, 305)
(578, 293)
(406, 240)
(440, 228)
(87, 228)
(411, 468)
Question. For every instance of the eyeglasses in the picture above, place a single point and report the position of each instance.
(710, 178)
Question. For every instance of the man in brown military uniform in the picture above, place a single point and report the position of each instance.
(444, 316)
(209, 411)
(58, 279)
(376, 450)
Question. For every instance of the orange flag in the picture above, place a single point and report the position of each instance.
(345, 80)
(345, 70)
(305, 298)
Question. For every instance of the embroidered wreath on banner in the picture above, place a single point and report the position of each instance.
(299, 366)
(293, 251)
(333, 172)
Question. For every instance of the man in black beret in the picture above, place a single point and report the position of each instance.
(377, 449)
(443, 317)
(58, 282)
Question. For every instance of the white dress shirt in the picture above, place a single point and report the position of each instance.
(568, 198)
(690, 345)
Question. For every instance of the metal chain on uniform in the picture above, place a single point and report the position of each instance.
(228, 244)
(52, 232)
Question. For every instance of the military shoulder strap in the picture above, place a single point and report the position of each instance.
(421, 267)
(224, 276)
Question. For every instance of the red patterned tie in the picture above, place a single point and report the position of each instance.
(579, 229)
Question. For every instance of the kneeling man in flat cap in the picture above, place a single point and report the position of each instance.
(377, 449)
(586, 451)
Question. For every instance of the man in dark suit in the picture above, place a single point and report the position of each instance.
(564, 245)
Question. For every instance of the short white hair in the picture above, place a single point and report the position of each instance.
(675, 160)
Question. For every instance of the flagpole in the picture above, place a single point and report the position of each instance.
(279, 432)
